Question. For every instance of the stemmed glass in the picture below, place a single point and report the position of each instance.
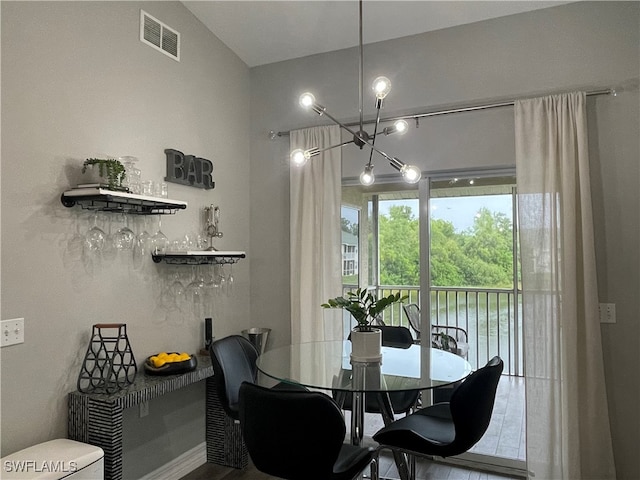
(144, 237)
(109, 250)
(141, 245)
(76, 243)
(159, 240)
(230, 280)
(94, 238)
(221, 280)
(194, 292)
(177, 291)
(123, 238)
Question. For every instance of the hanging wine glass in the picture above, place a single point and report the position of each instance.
(144, 237)
(75, 244)
(230, 280)
(159, 240)
(178, 293)
(109, 250)
(194, 293)
(123, 238)
(141, 246)
(221, 280)
(94, 238)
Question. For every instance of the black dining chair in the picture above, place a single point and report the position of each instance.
(234, 361)
(401, 401)
(299, 435)
(447, 429)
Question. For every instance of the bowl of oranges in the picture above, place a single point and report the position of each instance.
(170, 363)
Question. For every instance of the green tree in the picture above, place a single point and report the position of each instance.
(348, 226)
(488, 251)
(446, 255)
(481, 256)
(399, 247)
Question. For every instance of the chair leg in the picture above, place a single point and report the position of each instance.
(412, 467)
(375, 474)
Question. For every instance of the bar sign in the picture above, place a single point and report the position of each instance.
(189, 170)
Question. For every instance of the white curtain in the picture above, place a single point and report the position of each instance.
(316, 274)
(568, 432)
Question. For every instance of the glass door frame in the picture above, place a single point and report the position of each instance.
(472, 460)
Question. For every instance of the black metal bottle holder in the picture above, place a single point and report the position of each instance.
(109, 364)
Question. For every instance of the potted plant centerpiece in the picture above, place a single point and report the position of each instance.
(105, 171)
(366, 339)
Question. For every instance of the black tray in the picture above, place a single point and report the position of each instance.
(171, 368)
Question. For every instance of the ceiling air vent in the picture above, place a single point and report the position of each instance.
(158, 35)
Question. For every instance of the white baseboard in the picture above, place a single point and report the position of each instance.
(180, 466)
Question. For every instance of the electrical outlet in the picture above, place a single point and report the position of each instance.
(607, 312)
(12, 331)
(143, 409)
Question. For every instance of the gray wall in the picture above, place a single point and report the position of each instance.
(575, 46)
(77, 82)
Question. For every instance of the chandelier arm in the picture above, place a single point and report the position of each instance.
(355, 134)
(375, 130)
(319, 151)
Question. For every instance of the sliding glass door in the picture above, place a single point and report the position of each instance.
(450, 244)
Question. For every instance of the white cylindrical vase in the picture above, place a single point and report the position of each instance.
(366, 345)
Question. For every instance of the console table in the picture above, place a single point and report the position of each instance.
(96, 418)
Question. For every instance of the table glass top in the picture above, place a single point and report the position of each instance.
(327, 365)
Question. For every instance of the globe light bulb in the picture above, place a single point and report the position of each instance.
(401, 126)
(367, 177)
(381, 87)
(298, 157)
(307, 100)
(410, 174)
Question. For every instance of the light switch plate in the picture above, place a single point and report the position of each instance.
(607, 313)
(12, 332)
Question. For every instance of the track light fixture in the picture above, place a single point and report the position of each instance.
(381, 87)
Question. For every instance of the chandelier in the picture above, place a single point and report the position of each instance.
(381, 87)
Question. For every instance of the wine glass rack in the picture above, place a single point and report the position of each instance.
(199, 257)
(115, 201)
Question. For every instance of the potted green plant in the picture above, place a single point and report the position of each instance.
(366, 339)
(109, 169)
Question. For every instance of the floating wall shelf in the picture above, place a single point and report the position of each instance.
(112, 201)
(198, 257)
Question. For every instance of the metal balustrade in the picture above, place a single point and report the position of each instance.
(492, 318)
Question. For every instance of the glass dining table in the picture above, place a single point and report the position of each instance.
(328, 366)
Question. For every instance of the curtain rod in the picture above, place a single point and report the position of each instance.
(447, 111)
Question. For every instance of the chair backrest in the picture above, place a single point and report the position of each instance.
(234, 361)
(471, 405)
(450, 338)
(412, 311)
(291, 434)
(399, 337)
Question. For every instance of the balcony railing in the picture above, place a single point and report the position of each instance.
(492, 318)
